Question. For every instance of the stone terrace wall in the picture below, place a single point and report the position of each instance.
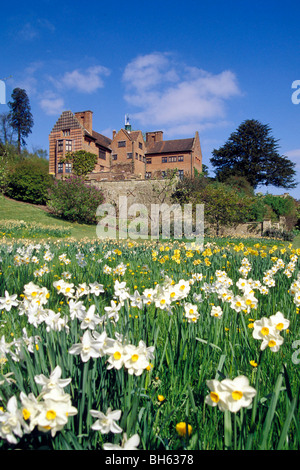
(149, 192)
(145, 192)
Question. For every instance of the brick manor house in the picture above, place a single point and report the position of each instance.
(126, 155)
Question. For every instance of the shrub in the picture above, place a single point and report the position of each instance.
(74, 200)
(282, 206)
(30, 181)
(280, 234)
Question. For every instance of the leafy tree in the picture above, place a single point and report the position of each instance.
(252, 152)
(223, 206)
(188, 187)
(20, 116)
(83, 162)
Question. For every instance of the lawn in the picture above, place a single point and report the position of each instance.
(16, 210)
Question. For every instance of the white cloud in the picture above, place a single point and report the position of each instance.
(51, 104)
(86, 81)
(171, 94)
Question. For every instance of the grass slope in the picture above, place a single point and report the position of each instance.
(16, 210)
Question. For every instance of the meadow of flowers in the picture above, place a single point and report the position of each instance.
(149, 345)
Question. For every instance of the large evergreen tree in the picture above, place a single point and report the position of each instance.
(252, 152)
(20, 115)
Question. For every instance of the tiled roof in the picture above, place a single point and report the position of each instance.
(170, 146)
(134, 134)
(102, 139)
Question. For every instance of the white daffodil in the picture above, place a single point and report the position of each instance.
(30, 409)
(127, 444)
(218, 395)
(64, 288)
(182, 288)
(121, 291)
(238, 303)
(4, 347)
(89, 319)
(147, 350)
(82, 289)
(266, 330)
(30, 341)
(240, 393)
(162, 301)
(229, 394)
(106, 422)
(280, 322)
(273, 341)
(191, 312)
(137, 300)
(96, 288)
(216, 311)
(77, 309)
(55, 410)
(104, 343)
(54, 380)
(112, 312)
(116, 355)
(55, 321)
(89, 347)
(10, 422)
(135, 359)
(8, 301)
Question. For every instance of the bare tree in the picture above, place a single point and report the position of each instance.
(7, 133)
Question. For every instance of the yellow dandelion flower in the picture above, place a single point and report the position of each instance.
(182, 429)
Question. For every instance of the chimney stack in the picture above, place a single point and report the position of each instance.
(156, 136)
(86, 120)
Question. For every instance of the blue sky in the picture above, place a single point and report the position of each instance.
(179, 67)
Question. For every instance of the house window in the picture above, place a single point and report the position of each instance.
(68, 145)
(172, 159)
(122, 143)
(164, 159)
(136, 156)
(66, 132)
(140, 145)
(60, 145)
(60, 168)
(149, 161)
(114, 156)
(180, 174)
(148, 174)
(68, 168)
(129, 155)
(102, 154)
(180, 158)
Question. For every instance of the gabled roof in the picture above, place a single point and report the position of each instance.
(102, 139)
(67, 120)
(170, 146)
(132, 135)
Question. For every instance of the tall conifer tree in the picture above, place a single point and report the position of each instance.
(20, 116)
